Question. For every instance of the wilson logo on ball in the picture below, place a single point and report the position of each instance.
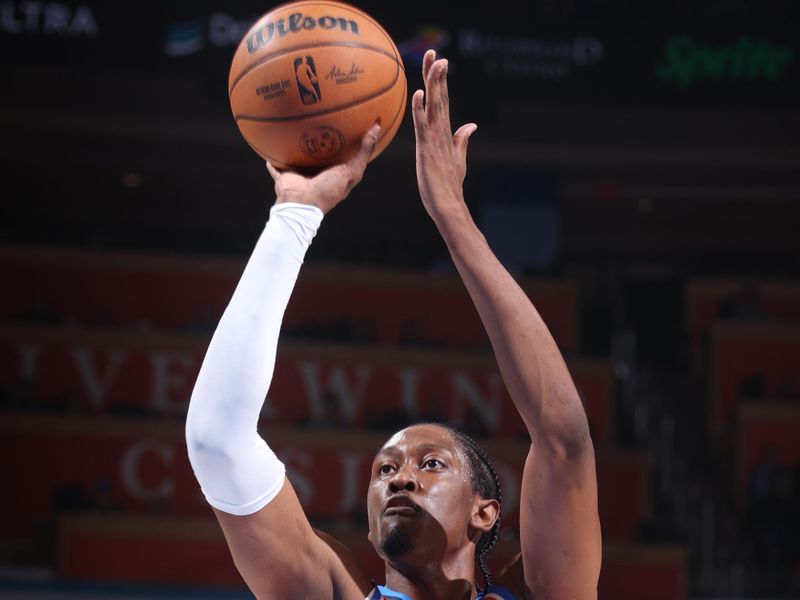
(296, 22)
(305, 74)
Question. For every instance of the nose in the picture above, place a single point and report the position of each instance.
(403, 480)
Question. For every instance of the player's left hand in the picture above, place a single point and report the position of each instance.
(441, 155)
(329, 187)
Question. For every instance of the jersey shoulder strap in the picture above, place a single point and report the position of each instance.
(496, 592)
(381, 592)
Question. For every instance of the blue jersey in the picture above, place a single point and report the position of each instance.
(495, 592)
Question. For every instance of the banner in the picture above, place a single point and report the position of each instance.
(318, 385)
(61, 463)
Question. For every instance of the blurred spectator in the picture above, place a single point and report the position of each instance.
(104, 499)
(21, 396)
(70, 497)
(40, 311)
(772, 520)
(431, 410)
(205, 322)
(412, 335)
(744, 304)
(344, 329)
(752, 387)
(786, 388)
(331, 417)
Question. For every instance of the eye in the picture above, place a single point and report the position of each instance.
(432, 463)
(385, 469)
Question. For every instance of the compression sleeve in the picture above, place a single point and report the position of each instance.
(237, 471)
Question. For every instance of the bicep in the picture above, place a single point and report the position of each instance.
(277, 552)
(560, 526)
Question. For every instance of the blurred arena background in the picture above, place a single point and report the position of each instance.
(637, 166)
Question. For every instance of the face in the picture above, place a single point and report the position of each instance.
(420, 495)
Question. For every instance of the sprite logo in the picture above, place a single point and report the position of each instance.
(688, 62)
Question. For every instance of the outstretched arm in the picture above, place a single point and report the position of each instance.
(270, 538)
(559, 524)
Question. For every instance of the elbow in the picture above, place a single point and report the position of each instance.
(199, 442)
(566, 436)
(576, 443)
(204, 436)
(207, 451)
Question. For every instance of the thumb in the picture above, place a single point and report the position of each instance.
(273, 172)
(461, 138)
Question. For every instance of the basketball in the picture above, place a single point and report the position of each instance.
(310, 78)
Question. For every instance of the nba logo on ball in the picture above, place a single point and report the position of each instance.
(307, 81)
(310, 78)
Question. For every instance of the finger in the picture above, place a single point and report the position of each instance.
(461, 138)
(358, 163)
(444, 94)
(435, 103)
(418, 112)
(273, 172)
(432, 88)
(427, 62)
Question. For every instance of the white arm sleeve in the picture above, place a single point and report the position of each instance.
(238, 473)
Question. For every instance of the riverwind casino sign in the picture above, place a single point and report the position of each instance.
(512, 55)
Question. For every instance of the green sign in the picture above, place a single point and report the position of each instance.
(688, 61)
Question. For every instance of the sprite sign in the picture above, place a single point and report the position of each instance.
(688, 61)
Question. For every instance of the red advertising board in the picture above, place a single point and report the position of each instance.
(171, 293)
(755, 361)
(317, 384)
(140, 467)
(182, 551)
(636, 572)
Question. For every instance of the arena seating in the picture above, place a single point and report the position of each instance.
(752, 361)
(172, 293)
(766, 427)
(707, 301)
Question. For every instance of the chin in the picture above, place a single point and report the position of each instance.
(396, 543)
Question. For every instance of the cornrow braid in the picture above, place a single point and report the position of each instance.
(486, 483)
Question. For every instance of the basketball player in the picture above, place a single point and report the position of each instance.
(433, 500)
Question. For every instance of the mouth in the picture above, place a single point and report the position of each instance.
(401, 505)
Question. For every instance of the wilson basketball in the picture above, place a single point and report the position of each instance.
(310, 78)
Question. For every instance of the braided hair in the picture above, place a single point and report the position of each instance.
(486, 483)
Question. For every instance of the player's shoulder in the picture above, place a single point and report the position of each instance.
(499, 592)
(348, 572)
(510, 583)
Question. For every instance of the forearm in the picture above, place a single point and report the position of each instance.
(229, 458)
(530, 362)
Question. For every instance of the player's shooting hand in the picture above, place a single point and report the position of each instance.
(329, 187)
(441, 155)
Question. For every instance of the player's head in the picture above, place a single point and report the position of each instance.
(433, 491)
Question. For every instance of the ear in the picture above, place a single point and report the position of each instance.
(484, 513)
